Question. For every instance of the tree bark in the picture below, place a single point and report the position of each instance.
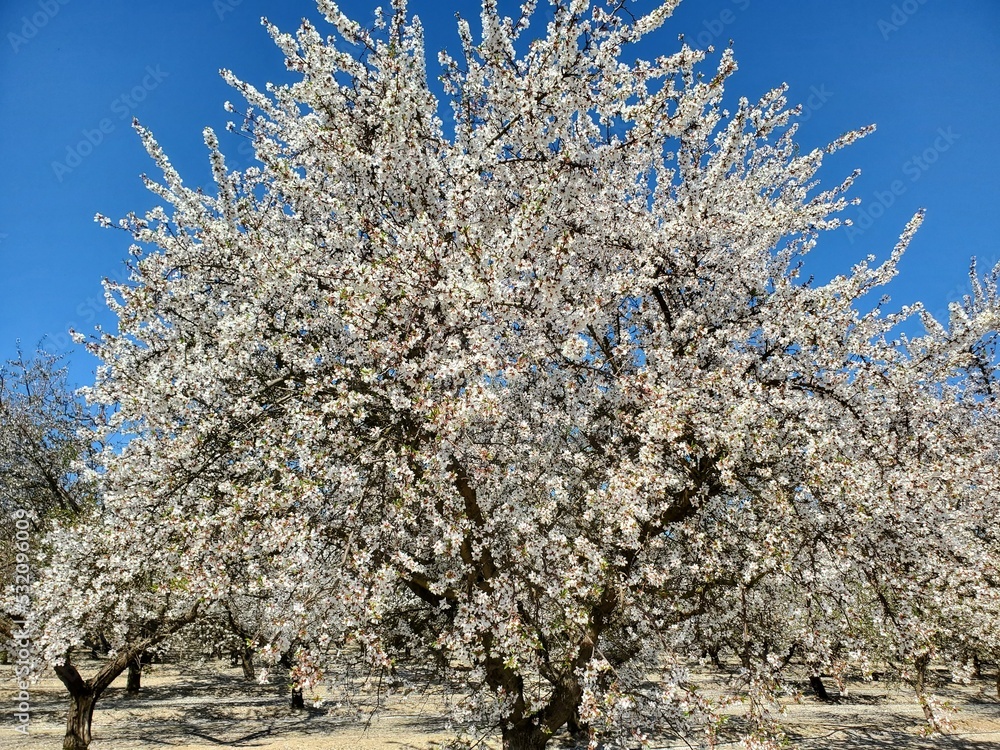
(816, 683)
(920, 664)
(78, 723)
(134, 677)
(297, 700)
(246, 658)
(83, 694)
(524, 735)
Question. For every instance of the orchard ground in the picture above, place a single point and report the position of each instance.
(202, 705)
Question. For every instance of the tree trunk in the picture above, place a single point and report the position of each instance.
(297, 700)
(82, 697)
(579, 729)
(78, 723)
(816, 683)
(524, 735)
(134, 676)
(920, 664)
(246, 658)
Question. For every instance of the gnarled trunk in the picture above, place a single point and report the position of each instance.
(78, 723)
(523, 731)
(83, 694)
(524, 735)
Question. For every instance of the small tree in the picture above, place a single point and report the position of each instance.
(76, 596)
(43, 430)
(549, 374)
(46, 437)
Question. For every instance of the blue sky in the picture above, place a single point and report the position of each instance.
(73, 74)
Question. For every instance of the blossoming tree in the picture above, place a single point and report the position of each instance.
(39, 424)
(547, 375)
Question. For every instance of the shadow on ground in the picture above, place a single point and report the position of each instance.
(208, 705)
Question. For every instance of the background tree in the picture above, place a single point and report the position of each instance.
(46, 435)
(42, 426)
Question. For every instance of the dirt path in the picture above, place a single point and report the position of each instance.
(209, 706)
